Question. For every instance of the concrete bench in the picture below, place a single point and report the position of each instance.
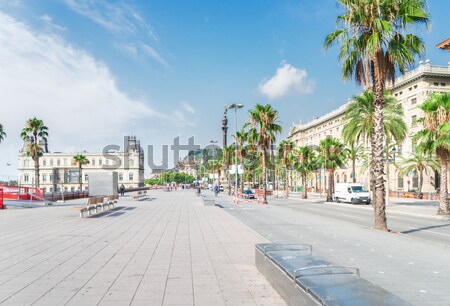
(302, 278)
(208, 201)
(139, 195)
(98, 202)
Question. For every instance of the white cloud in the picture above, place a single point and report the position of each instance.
(187, 107)
(75, 94)
(120, 18)
(287, 80)
(153, 54)
(48, 21)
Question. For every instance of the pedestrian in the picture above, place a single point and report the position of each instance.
(216, 190)
(122, 190)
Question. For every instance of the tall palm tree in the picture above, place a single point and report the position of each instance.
(33, 132)
(354, 152)
(80, 160)
(227, 160)
(2, 133)
(306, 162)
(241, 138)
(331, 155)
(376, 40)
(419, 163)
(264, 119)
(286, 159)
(435, 139)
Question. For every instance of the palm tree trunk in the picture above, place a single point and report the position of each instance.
(80, 178)
(420, 184)
(264, 174)
(242, 176)
(443, 191)
(287, 183)
(36, 172)
(353, 171)
(377, 149)
(330, 185)
(305, 193)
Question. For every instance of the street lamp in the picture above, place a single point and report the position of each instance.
(235, 106)
(214, 157)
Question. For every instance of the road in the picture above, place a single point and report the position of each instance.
(412, 263)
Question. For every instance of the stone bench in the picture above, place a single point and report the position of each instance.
(139, 195)
(98, 202)
(302, 278)
(208, 201)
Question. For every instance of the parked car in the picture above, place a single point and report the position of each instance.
(351, 193)
(248, 194)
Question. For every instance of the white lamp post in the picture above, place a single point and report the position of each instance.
(214, 157)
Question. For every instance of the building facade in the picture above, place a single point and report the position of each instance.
(411, 89)
(58, 171)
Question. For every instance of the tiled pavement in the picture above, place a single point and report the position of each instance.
(166, 250)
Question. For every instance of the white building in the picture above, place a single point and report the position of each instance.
(411, 89)
(58, 171)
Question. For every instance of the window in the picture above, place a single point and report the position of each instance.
(400, 181)
(413, 120)
(413, 101)
(51, 161)
(443, 84)
(25, 178)
(400, 93)
(100, 161)
(415, 181)
(65, 161)
(51, 189)
(86, 178)
(415, 86)
(93, 162)
(436, 84)
(50, 177)
(130, 176)
(44, 178)
(410, 88)
(58, 162)
(120, 176)
(44, 162)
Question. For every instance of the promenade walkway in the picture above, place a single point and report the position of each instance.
(168, 249)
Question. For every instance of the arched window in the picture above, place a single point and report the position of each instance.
(337, 178)
(345, 178)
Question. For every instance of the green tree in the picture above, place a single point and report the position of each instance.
(435, 139)
(419, 163)
(33, 132)
(264, 119)
(2, 133)
(227, 160)
(306, 163)
(376, 40)
(241, 139)
(359, 123)
(285, 154)
(80, 160)
(331, 156)
(354, 152)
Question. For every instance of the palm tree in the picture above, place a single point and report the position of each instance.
(2, 133)
(435, 139)
(331, 156)
(360, 126)
(227, 160)
(264, 119)
(419, 163)
(34, 131)
(80, 160)
(306, 162)
(354, 152)
(286, 159)
(241, 138)
(376, 40)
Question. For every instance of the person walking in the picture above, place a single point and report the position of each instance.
(216, 190)
(122, 190)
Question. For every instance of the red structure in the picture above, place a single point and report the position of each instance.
(21, 193)
(1, 198)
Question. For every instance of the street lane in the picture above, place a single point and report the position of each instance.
(413, 265)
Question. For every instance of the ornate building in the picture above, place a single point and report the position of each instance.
(411, 89)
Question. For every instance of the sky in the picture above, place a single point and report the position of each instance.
(95, 71)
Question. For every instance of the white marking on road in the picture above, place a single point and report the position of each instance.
(354, 217)
(381, 272)
(357, 244)
(435, 272)
(410, 263)
(352, 259)
(331, 250)
(389, 256)
(423, 291)
(372, 250)
(433, 232)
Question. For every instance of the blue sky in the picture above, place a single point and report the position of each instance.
(97, 70)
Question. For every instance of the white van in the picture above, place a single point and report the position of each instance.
(351, 193)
